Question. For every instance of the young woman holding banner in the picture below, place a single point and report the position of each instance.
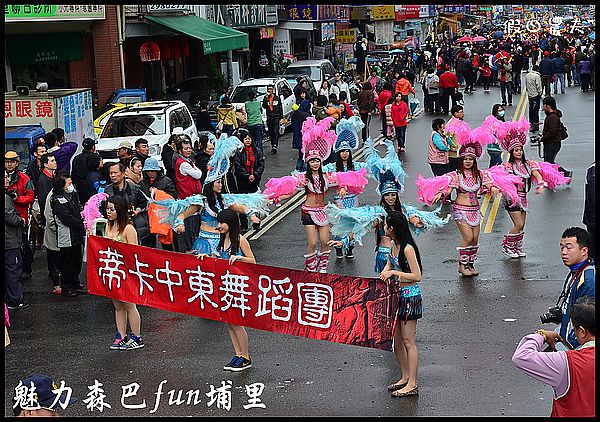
(404, 270)
(119, 228)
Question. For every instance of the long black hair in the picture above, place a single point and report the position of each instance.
(230, 217)
(402, 236)
(212, 197)
(475, 170)
(309, 176)
(339, 163)
(122, 211)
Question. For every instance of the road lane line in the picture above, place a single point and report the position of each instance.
(483, 208)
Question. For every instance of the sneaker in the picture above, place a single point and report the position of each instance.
(21, 305)
(274, 150)
(339, 253)
(510, 104)
(350, 252)
(521, 253)
(116, 345)
(241, 364)
(402, 150)
(231, 363)
(132, 342)
(256, 226)
(56, 290)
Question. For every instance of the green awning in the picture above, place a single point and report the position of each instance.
(215, 38)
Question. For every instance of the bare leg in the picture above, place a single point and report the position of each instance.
(323, 238)
(475, 235)
(408, 333)
(239, 339)
(311, 234)
(466, 232)
(120, 317)
(518, 219)
(400, 352)
(135, 321)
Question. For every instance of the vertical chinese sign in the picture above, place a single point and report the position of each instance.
(331, 307)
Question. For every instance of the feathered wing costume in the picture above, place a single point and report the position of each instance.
(91, 210)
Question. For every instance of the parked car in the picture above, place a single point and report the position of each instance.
(118, 99)
(153, 121)
(283, 90)
(191, 91)
(318, 70)
(293, 81)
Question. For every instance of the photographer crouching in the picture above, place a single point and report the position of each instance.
(581, 280)
(571, 373)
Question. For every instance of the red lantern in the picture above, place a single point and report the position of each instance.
(149, 52)
(175, 51)
(165, 50)
(184, 47)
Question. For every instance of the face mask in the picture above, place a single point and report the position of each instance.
(501, 113)
(71, 189)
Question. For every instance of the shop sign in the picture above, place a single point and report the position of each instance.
(327, 31)
(334, 13)
(453, 9)
(382, 13)
(281, 42)
(267, 32)
(345, 36)
(250, 15)
(52, 12)
(167, 7)
(384, 32)
(302, 12)
(426, 10)
(407, 11)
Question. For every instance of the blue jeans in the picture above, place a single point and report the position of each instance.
(257, 133)
(534, 111)
(559, 77)
(504, 87)
(575, 70)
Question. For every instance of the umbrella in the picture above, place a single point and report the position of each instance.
(479, 38)
(498, 34)
(466, 38)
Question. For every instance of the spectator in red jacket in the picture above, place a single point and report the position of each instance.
(20, 189)
(399, 113)
(384, 97)
(448, 87)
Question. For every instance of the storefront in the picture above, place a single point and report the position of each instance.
(50, 43)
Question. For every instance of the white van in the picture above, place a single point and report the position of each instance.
(317, 70)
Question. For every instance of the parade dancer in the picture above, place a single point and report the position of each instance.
(468, 181)
(212, 201)
(512, 137)
(404, 269)
(317, 141)
(390, 175)
(347, 140)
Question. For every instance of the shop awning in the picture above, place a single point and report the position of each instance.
(215, 38)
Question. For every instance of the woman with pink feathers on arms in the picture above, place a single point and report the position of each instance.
(317, 142)
(468, 181)
(512, 137)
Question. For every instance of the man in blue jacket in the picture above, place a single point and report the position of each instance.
(546, 71)
(558, 68)
(581, 281)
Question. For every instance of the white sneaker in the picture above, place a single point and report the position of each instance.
(509, 253)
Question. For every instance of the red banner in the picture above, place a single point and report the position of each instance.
(331, 307)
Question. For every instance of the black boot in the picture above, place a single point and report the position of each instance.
(350, 252)
(339, 253)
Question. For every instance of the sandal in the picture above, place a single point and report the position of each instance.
(413, 392)
(396, 386)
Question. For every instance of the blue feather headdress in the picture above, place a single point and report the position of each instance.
(218, 165)
(347, 133)
(387, 171)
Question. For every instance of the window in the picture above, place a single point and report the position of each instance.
(284, 90)
(175, 120)
(185, 118)
(134, 125)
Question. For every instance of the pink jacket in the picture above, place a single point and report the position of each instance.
(435, 155)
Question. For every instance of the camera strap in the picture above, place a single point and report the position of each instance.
(571, 278)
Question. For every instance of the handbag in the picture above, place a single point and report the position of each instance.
(220, 124)
(241, 116)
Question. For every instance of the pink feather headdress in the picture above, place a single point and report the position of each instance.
(317, 138)
(512, 134)
(91, 210)
(471, 142)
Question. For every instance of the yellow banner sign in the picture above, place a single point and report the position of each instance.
(382, 13)
(345, 36)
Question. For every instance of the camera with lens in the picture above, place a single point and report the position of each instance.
(554, 315)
